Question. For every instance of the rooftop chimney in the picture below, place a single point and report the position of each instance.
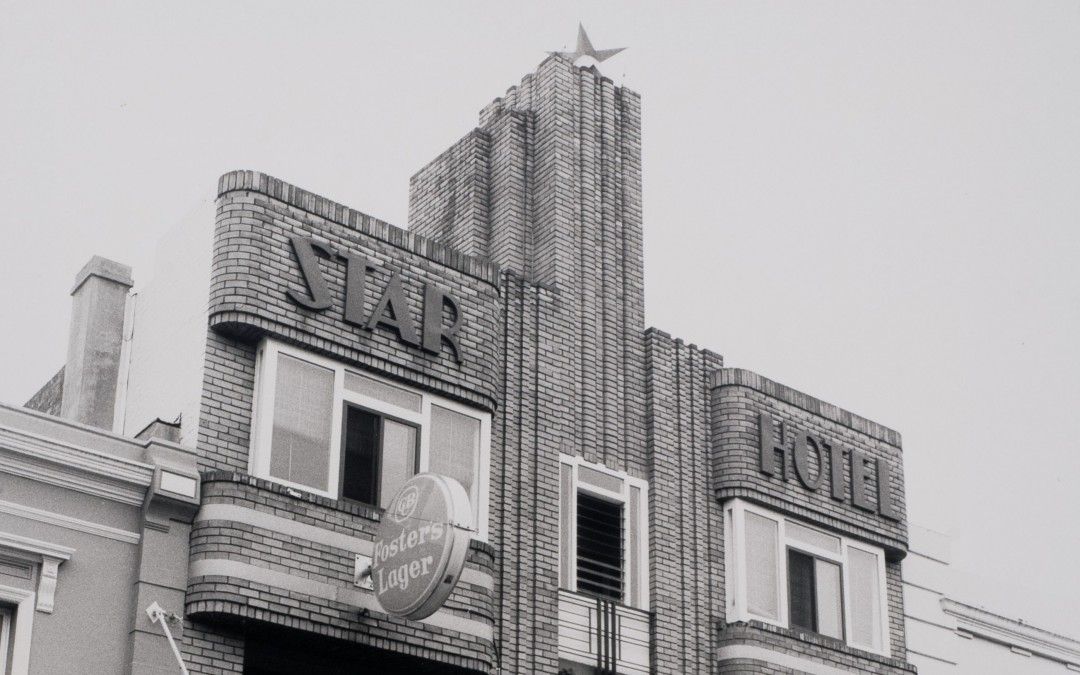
(97, 328)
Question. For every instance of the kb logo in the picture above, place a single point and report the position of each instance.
(405, 504)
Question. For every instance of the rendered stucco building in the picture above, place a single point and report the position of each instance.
(950, 632)
(639, 507)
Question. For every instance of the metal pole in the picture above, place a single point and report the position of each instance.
(159, 615)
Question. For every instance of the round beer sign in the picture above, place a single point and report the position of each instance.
(420, 546)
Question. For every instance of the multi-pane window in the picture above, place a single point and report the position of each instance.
(603, 528)
(323, 428)
(787, 573)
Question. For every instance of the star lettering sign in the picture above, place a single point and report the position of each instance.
(585, 48)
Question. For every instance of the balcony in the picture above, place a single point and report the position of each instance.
(602, 636)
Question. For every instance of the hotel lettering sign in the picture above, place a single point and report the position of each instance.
(420, 546)
(393, 309)
(831, 459)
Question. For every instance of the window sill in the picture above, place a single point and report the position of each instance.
(353, 508)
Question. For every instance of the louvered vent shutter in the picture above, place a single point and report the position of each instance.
(599, 546)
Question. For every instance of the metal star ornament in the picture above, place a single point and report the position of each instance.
(585, 48)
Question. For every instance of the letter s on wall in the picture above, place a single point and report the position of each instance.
(319, 294)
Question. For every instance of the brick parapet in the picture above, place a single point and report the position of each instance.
(815, 406)
(362, 223)
(738, 399)
(819, 649)
(224, 597)
(449, 198)
(336, 515)
(254, 268)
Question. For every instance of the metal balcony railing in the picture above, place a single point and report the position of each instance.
(607, 636)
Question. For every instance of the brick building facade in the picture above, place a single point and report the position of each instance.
(639, 507)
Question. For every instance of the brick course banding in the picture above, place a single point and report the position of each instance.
(226, 598)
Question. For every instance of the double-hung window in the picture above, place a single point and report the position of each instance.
(338, 432)
(787, 573)
(603, 533)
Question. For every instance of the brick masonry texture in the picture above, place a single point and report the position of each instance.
(686, 522)
(212, 649)
(224, 598)
(808, 646)
(549, 188)
(456, 183)
(557, 160)
(738, 396)
(254, 267)
(533, 221)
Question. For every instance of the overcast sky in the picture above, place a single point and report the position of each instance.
(876, 203)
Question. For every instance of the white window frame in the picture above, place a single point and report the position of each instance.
(6, 613)
(736, 580)
(263, 423)
(622, 497)
(23, 602)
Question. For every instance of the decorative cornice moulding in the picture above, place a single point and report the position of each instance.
(72, 466)
(1013, 633)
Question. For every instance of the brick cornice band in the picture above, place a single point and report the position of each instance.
(738, 377)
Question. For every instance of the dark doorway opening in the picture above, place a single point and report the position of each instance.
(278, 651)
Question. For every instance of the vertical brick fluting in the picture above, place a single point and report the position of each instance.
(685, 529)
(564, 201)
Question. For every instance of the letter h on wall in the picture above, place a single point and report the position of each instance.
(768, 446)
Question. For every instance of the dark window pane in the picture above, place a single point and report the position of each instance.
(361, 467)
(801, 595)
(599, 547)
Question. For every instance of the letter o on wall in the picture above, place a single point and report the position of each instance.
(803, 444)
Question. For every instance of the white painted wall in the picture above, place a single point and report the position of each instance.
(165, 332)
(931, 633)
(978, 655)
(948, 636)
